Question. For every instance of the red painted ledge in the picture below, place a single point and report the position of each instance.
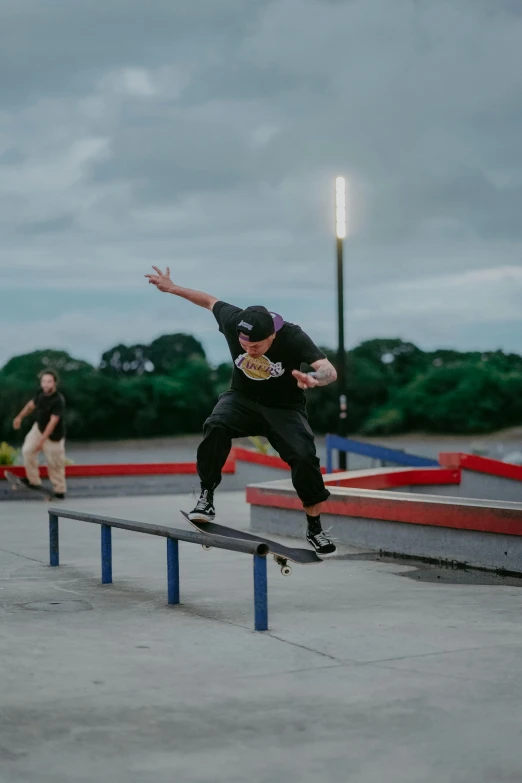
(493, 467)
(269, 460)
(390, 478)
(128, 469)
(417, 510)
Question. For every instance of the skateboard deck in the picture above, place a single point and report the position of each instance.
(17, 485)
(280, 552)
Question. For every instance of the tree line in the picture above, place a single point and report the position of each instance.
(168, 388)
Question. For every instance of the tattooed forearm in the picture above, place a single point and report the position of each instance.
(324, 375)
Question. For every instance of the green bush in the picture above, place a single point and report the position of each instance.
(464, 399)
(8, 454)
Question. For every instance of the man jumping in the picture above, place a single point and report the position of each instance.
(266, 398)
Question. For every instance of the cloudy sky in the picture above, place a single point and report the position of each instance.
(207, 136)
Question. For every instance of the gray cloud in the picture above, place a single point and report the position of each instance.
(51, 226)
(57, 47)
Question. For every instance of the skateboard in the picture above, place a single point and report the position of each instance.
(281, 553)
(17, 485)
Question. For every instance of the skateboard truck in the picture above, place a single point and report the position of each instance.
(286, 570)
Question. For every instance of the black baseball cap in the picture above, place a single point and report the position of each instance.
(256, 323)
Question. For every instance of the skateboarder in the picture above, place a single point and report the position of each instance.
(266, 398)
(47, 434)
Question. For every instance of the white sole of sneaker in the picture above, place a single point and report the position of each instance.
(325, 557)
(199, 518)
(322, 556)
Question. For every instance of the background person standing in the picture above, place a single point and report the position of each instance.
(47, 434)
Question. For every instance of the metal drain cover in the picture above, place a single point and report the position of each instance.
(58, 606)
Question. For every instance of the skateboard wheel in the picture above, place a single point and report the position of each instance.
(286, 570)
(206, 547)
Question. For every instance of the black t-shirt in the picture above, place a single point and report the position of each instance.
(48, 405)
(268, 379)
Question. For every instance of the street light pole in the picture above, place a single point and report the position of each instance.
(340, 230)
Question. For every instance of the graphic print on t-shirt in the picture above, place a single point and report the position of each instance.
(289, 351)
(259, 368)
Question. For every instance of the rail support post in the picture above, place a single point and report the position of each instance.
(173, 570)
(54, 541)
(260, 593)
(106, 554)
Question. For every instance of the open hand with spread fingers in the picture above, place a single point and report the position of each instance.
(305, 380)
(161, 280)
(323, 374)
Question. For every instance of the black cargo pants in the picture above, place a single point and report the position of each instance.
(287, 430)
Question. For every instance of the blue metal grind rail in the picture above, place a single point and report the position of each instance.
(257, 549)
(381, 453)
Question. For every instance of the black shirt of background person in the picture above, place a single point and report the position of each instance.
(47, 405)
(268, 379)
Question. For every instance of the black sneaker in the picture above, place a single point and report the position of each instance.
(28, 484)
(204, 510)
(59, 495)
(320, 541)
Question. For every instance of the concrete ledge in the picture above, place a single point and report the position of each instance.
(393, 478)
(483, 477)
(486, 534)
(492, 467)
(479, 550)
(455, 479)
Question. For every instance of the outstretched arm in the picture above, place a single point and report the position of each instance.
(324, 374)
(163, 283)
(26, 410)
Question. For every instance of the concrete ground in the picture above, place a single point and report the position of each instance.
(364, 676)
